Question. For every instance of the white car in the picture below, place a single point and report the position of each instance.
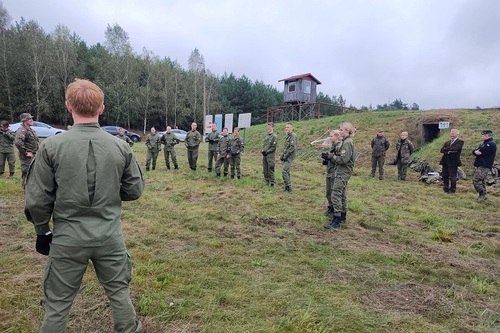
(41, 129)
(180, 134)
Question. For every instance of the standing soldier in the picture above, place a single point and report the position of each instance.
(121, 135)
(154, 146)
(450, 161)
(380, 144)
(344, 166)
(78, 182)
(213, 141)
(329, 159)
(223, 153)
(235, 149)
(288, 155)
(268, 152)
(169, 140)
(404, 148)
(26, 142)
(485, 158)
(192, 142)
(7, 154)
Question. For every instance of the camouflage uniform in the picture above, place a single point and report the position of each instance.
(223, 153)
(287, 158)
(7, 154)
(235, 150)
(213, 141)
(26, 141)
(268, 157)
(154, 146)
(484, 164)
(330, 172)
(404, 150)
(192, 142)
(343, 157)
(126, 139)
(169, 140)
(380, 144)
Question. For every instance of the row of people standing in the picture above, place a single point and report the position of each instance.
(484, 160)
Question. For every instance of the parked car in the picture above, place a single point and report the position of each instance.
(180, 134)
(41, 129)
(113, 130)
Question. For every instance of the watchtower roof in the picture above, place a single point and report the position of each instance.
(302, 76)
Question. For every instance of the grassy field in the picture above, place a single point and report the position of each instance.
(226, 255)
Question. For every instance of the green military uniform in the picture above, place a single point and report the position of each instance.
(223, 154)
(235, 149)
(344, 165)
(26, 141)
(213, 141)
(379, 144)
(268, 157)
(169, 140)
(79, 179)
(126, 139)
(287, 158)
(153, 144)
(330, 173)
(404, 150)
(7, 154)
(192, 142)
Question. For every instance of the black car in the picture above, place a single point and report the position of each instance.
(113, 130)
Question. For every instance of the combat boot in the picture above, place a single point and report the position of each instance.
(329, 212)
(218, 174)
(343, 217)
(225, 174)
(176, 167)
(287, 189)
(232, 176)
(482, 196)
(334, 224)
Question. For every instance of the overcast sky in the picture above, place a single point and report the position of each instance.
(436, 53)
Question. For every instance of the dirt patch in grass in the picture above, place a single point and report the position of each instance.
(414, 298)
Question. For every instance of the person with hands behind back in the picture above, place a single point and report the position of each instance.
(79, 179)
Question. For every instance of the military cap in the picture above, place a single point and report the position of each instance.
(25, 116)
(380, 130)
(486, 132)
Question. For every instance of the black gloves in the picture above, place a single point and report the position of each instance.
(282, 158)
(264, 153)
(43, 243)
(324, 156)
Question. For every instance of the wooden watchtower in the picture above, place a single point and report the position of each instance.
(300, 89)
(299, 96)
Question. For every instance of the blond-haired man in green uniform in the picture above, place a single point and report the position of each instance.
(288, 155)
(153, 144)
(344, 166)
(268, 154)
(79, 179)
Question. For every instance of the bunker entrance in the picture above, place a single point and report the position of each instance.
(430, 132)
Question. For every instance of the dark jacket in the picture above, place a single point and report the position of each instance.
(380, 144)
(488, 151)
(451, 153)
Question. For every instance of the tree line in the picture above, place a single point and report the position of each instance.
(141, 89)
